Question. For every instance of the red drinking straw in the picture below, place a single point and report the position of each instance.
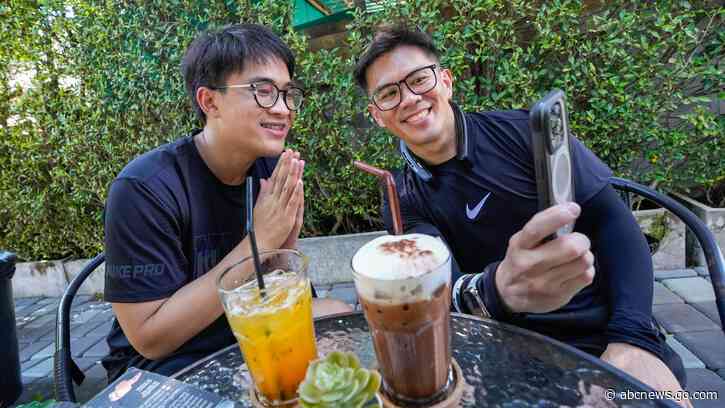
(392, 191)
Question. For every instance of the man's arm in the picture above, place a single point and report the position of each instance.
(157, 328)
(644, 366)
(625, 265)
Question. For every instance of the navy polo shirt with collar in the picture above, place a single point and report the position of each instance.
(475, 204)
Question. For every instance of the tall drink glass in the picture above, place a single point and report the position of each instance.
(404, 285)
(274, 328)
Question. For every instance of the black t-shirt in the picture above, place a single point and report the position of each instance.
(477, 203)
(169, 220)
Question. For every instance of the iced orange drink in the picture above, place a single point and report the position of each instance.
(273, 327)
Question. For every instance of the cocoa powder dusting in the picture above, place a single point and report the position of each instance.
(405, 248)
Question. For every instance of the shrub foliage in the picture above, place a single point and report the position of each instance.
(102, 85)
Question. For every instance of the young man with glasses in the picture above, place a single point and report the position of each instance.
(470, 180)
(174, 216)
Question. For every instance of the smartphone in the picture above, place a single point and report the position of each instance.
(549, 124)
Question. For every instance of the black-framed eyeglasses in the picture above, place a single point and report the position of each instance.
(418, 82)
(266, 94)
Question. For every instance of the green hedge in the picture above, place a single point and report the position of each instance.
(107, 87)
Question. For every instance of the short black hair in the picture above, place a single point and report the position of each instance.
(214, 55)
(387, 39)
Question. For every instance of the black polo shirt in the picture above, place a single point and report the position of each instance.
(479, 199)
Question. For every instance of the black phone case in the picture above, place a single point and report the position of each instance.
(549, 124)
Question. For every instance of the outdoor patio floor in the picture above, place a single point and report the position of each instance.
(684, 304)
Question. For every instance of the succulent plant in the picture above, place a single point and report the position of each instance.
(338, 381)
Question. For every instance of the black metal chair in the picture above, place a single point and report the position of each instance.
(713, 254)
(65, 370)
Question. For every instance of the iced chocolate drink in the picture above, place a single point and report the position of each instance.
(403, 283)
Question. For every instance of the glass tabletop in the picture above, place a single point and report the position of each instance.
(503, 366)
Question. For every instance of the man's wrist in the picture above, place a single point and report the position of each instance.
(457, 293)
(263, 243)
(467, 298)
(494, 302)
(505, 305)
(290, 244)
(473, 298)
(476, 294)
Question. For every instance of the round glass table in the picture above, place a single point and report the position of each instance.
(503, 365)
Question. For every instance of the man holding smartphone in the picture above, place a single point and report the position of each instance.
(470, 179)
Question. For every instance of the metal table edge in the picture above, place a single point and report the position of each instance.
(599, 363)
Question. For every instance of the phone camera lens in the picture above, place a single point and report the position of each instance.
(556, 109)
(556, 123)
(556, 131)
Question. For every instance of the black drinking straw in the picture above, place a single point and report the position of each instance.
(250, 233)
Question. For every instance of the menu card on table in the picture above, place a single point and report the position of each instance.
(143, 389)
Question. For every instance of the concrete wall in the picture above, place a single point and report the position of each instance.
(670, 252)
(714, 218)
(329, 264)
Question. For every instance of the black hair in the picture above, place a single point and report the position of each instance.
(387, 39)
(214, 55)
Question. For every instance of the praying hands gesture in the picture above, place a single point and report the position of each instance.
(280, 206)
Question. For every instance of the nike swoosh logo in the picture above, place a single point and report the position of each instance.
(473, 213)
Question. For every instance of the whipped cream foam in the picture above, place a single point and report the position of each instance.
(393, 257)
(395, 268)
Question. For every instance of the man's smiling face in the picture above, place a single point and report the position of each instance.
(419, 120)
(244, 124)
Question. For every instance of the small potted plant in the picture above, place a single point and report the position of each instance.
(339, 381)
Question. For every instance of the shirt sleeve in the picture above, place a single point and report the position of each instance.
(144, 252)
(624, 265)
(590, 175)
(509, 150)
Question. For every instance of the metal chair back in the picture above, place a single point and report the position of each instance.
(65, 370)
(713, 254)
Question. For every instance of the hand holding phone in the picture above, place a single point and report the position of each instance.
(549, 124)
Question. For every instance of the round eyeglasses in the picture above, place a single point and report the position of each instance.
(418, 82)
(266, 94)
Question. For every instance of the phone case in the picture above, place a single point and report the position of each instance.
(552, 157)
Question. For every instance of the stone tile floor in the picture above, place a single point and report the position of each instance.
(684, 303)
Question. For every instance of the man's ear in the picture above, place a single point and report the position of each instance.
(447, 82)
(206, 98)
(376, 114)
